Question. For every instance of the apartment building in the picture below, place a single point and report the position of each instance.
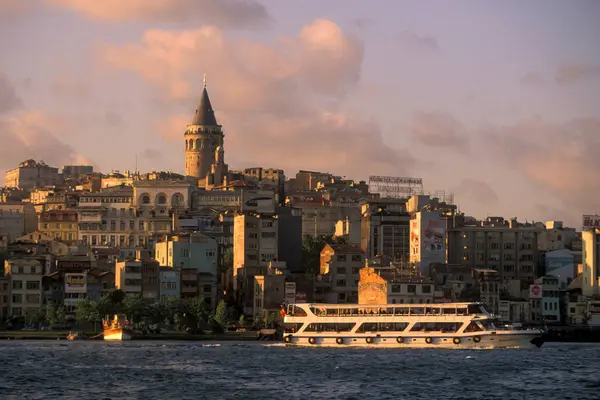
(60, 225)
(508, 247)
(25, 283)
(340, 266)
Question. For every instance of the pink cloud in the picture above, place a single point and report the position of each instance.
(226, 13)
(278, 102)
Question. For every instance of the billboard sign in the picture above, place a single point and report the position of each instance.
(591, 222)
(535, 292)
(66, 265)
(415, 244)
(76, 283)
(258, 201)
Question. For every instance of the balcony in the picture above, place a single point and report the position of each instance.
(85, 217)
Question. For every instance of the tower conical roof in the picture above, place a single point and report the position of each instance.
(205, 115)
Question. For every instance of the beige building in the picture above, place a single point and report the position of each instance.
(385, 285)
(269, 293)
(255, 244)
(25, 283)
(340, 266)
(30, 174)
(59, 225)
(508, 247)
(17, 219)
(590, 285)
(131, 216)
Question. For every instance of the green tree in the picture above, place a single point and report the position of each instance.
(133, 306)
(271, 320)
(221, 315)
(86, 312)
(228, 258)
(60, 314)
(311, 252)
(242, 320)
(51, 316)
(200, 311)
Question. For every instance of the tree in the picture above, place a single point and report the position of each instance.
(221, 315)
(199, 310)
(86, 312)
(228, 258)
(51, 316)
(60, 314)
(133, 306)
(271, 319)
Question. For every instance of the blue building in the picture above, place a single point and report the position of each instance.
(194, 250)
(170, 282)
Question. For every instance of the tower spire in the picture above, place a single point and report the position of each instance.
(204, 81)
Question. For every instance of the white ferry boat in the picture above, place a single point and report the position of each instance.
(444, 325)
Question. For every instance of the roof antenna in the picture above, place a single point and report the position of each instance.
(204, 81)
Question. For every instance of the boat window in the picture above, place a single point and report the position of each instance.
(432, 311)
(330, 327)
(417, 311)
(488, 325)
(401, 311)
(443, 327)
(472, 327)
(382, 327)
(475, 309)
(292, 327)
(449, 311)
(295, 311)
(461, 310)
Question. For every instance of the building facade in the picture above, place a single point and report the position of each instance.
(59, 225)
(31, 174)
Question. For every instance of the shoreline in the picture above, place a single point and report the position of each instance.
(62, 335)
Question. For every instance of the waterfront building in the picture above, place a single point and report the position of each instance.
(544, 300)
(255, 244)
(25, 283)
(560, 263)
(194, 250)
(590, 285)
(138, 278)
(508, 247)
(269, 291)
(170, 282)
(385, 229)
(387, 285)
(340, 265)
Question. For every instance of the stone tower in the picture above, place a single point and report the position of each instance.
(202, 138)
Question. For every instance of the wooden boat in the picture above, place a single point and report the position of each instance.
(119, 328)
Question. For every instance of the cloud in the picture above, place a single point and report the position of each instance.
(424, 42)
(114, 119)
(10, 8)
(561, 158)
(8, 96)
(279, 103)
(478, 191)
(30, 135)
(437, 129)
(532, 78)
(569, 74)
(223, 13)
(70, 88)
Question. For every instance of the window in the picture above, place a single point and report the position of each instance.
(207, 288)
(162, 199)
(268, 235)
(17, 298)
(396, 289)
(210, 253)
(32, 285)
(355, 271)
(340, 282)
(341, 270)
(411, 288)
(17, 285)
(132, 224)
(426, 289)
(356, 257)
(341, 258)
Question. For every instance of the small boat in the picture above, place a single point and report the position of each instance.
(118, 328)
(446, 325)
(72, 335)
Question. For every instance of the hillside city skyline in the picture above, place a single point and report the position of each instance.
(319, 90)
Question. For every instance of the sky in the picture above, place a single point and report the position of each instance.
(497, 102)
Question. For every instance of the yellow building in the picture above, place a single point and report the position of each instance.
(60, 225)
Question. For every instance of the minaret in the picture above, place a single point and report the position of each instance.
(202, 138)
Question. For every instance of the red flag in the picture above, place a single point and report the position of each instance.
(283, 314)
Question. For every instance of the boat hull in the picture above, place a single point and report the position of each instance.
(118, 334)
(482, 341)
